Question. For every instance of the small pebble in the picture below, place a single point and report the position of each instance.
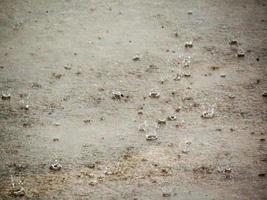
(117, 95)
(233, 42)
(136, 58)
(161, 121)
(264, 94)
(208, 114)
(151, 137)
(166, 194)
(6, 96)
(188, 44)
(154, 94)
(240, 53)
(55, 167)
(190, 12)
(19, 192)
(172, 117)
(67, 67)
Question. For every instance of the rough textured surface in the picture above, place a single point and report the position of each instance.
(65, 58)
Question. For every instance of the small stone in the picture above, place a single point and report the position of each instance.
(161, 121)
(55, 139)
(87, 121)
(188, 142)
(136, 58)
(154, 94)
(223, 75)
(233, 42)
(151, 137)
(108, 173)
(231, 96)
(264, 94)
(240, 53)
(6, 96)
(184, 151)
(178, 77)
(187, 62)
(262, 175)
(262, 139)
(36, 85)
(141, 128)
(56, 124)
(208, 114)
(57, 76)
(166, 194)
(188, 44)
(19, 192)
(176, 34)
(67, 67)
(172, 117)
(117, 95)
(214, 67)
(55, 167)
(187, 74)
(140, 112)
(178, 109)
(190, 12)
(92, 183)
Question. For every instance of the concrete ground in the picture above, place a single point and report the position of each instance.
(80, 75)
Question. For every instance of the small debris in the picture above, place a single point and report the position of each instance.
(231, 96)
(184, 151)
(140, 112)
(67, 67)
(262, 175)
(161, 121)
(56, 166)
(190, 12)
(117, 95)
(6, 96)
(166, 194)
(55, 139)
(176, 34)
(19, 192)
(92, 183)
(90, 165)
(215, 67)
(136, 58)
(36, 85)
(208, 114)
(87, 121)
(187, 74)
(223, 75)
(264, 94)
(188, 142)
(154, 94)
(151, 137)
(108, 173)
(187, 62)
(56, 75)
(240, 53)
(172, 117)
(178, 77)
(142, 128)
(56, 124)
(233, 42)
(178, 109)
(188, 44)
(227, 172)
